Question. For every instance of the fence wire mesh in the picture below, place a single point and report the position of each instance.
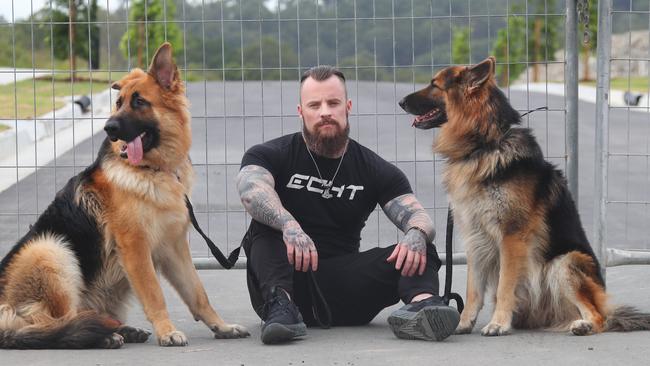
(241, 61)
(628, 194)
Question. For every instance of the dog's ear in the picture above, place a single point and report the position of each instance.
(480, 73)
(163, 68)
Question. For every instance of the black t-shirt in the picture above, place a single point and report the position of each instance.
(363, 181)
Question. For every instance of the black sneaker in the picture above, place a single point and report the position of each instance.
(429, 319)
(283, 320)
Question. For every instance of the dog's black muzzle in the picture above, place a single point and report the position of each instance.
(113, 129)
(428, 112)
(119, 128)
(403, 104)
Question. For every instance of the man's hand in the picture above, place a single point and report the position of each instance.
(261, 201)
(410, 255)
(301, 250)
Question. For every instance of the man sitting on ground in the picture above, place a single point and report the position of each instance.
(309, 195)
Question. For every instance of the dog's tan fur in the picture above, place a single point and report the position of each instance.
(506, 200)
(142, 215)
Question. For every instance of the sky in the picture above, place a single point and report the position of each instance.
(22, 8)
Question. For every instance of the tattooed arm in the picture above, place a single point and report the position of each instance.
(261, 201)
(410, 255)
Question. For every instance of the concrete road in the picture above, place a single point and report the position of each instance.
(366, 345)
(221, 135)
(9, 75)
(230, 117)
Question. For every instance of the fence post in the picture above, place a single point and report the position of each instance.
(602, 131)
(571, 93)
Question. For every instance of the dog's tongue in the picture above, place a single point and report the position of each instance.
(134, 150)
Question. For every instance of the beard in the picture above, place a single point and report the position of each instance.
(330, 146)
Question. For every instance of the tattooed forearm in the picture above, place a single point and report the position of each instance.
(257, 193)
(406, 212)
(400, 212)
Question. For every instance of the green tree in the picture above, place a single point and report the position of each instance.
(365, 68)
(93, 42)
(460, 45)
(510, 46)
(510, 50)
(150, 26)
(84, 39)
(543, 32)
(269, 57)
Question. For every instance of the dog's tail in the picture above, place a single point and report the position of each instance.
(81, 330)
(626, 319)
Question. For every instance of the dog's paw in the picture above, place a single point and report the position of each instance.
(113, 341)
(230, 331)
(581, 327)
(494, 329)
(173, 339)
(464, 327)
(133, 334)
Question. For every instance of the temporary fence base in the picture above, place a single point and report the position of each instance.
(615, 257)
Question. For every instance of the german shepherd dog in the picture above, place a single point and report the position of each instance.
(522, 232)
(66, 283)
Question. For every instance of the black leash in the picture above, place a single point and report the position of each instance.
(535, 110)
(315, 292)
(317, 298)
(226, 263)
(449, 263)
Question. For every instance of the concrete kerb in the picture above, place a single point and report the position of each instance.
(10, 75)
(586, 93)
(37, 142)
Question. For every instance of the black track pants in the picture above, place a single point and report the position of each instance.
(356, 286)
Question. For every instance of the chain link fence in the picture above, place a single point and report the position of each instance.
(242, 60)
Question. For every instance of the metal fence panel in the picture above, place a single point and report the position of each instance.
(623, 138)
(242, 60)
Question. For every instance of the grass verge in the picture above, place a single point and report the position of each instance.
(30, 98)
(637, 84)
